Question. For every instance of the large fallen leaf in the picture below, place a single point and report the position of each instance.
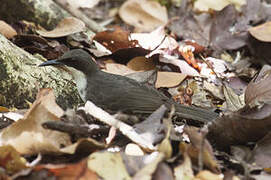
(169, 79)
(65, 27)
(262, 32)
(144, 15)
(27, 135)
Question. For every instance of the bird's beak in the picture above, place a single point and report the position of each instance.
(51, 63)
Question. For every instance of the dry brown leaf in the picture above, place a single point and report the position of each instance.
(27, 135)
(144, 15)
(262, 32)
(169, 79)
(65, 27)
(141, 64)
(119, 69)
(7, 30)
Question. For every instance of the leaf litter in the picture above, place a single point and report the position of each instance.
(202, 52)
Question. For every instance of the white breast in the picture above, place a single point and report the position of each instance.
(81, 82)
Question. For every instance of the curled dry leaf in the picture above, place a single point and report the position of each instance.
(144, 15)
(169, 79)
(65, 27)
(141, 63)
(27, 135)
(7, 30)
(262, 32)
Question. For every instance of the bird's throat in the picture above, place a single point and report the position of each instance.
(81, 82)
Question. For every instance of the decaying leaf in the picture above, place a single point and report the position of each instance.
(144, 15)
(27, 135)
(65, 27)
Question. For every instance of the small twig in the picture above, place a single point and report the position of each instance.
(126, 130)
(75, 129)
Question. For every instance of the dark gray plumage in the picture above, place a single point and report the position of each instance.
(119, 93)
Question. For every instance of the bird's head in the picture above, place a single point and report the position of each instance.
(75, 60)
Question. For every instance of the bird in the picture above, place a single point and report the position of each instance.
(118, 93)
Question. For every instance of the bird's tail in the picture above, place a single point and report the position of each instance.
(195, 113)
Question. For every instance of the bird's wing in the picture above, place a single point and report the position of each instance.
(121, 93)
